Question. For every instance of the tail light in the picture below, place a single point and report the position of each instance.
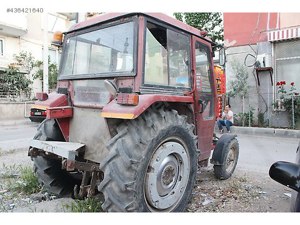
(128, 99)
(44, 113)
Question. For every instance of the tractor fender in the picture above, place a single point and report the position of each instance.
(54, 100)
(117, 111)
(219, 151)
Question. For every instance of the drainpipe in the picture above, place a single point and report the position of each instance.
(293, 112)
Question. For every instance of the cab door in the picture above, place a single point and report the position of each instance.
(204, 96)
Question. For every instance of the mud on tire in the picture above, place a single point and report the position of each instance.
(151, 165)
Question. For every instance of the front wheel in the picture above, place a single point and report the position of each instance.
(229, 159)
(152, 164)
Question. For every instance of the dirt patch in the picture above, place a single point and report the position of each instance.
(245, 191)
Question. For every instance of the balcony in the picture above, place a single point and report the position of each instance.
(13, 25)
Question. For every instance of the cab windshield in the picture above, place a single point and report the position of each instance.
(102, 52)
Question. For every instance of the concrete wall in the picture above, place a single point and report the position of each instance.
(260, 97)
(16, 110)
(237, 55)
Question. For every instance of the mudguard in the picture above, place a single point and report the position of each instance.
(54, 100)
(117, 111)
(219, 151)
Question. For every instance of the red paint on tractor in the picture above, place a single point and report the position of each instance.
(64, 125)
(60, 112)
(54, 100)
(145, 101)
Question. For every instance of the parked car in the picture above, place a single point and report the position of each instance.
(38, 113)
(288, 174)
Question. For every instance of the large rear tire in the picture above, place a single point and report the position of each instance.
(152, 164)
(49, 172)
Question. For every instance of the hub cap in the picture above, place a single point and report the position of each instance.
(230, 160)
(167, 176)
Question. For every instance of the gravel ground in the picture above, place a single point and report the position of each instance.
(245, 191)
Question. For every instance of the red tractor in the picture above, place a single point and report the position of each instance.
(133, 114)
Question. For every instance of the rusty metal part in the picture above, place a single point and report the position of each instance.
(91, 174)
(88, 185)
(34, 152)
(70, 165)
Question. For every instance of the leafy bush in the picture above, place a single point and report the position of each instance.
(13, 83)
(261, 119)
(86, 205)
(28, 182)
(289, 100)
(242, 119)
(52, 73)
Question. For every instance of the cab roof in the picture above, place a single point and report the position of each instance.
(157, 16)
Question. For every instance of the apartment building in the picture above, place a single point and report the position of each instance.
(25, 33)
(268, 46)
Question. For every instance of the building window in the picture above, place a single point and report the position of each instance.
(1, 47)
(287, 59)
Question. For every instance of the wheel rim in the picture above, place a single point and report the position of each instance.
(167, 175)
(231, 159)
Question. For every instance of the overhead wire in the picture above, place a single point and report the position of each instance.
(255, 64)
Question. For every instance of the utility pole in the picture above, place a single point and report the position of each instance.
(45, 54)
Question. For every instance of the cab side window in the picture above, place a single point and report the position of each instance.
(167, 57)
(204, 79)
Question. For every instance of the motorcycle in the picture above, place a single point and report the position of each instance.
(288, 174)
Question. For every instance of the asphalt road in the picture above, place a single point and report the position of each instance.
(257, 153)
(14, 137)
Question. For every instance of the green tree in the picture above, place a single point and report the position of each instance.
(238, 87)
(52, 73)
(25, 60)
(210, 22)
(13, 83)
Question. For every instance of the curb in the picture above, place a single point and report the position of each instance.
(272, 132)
